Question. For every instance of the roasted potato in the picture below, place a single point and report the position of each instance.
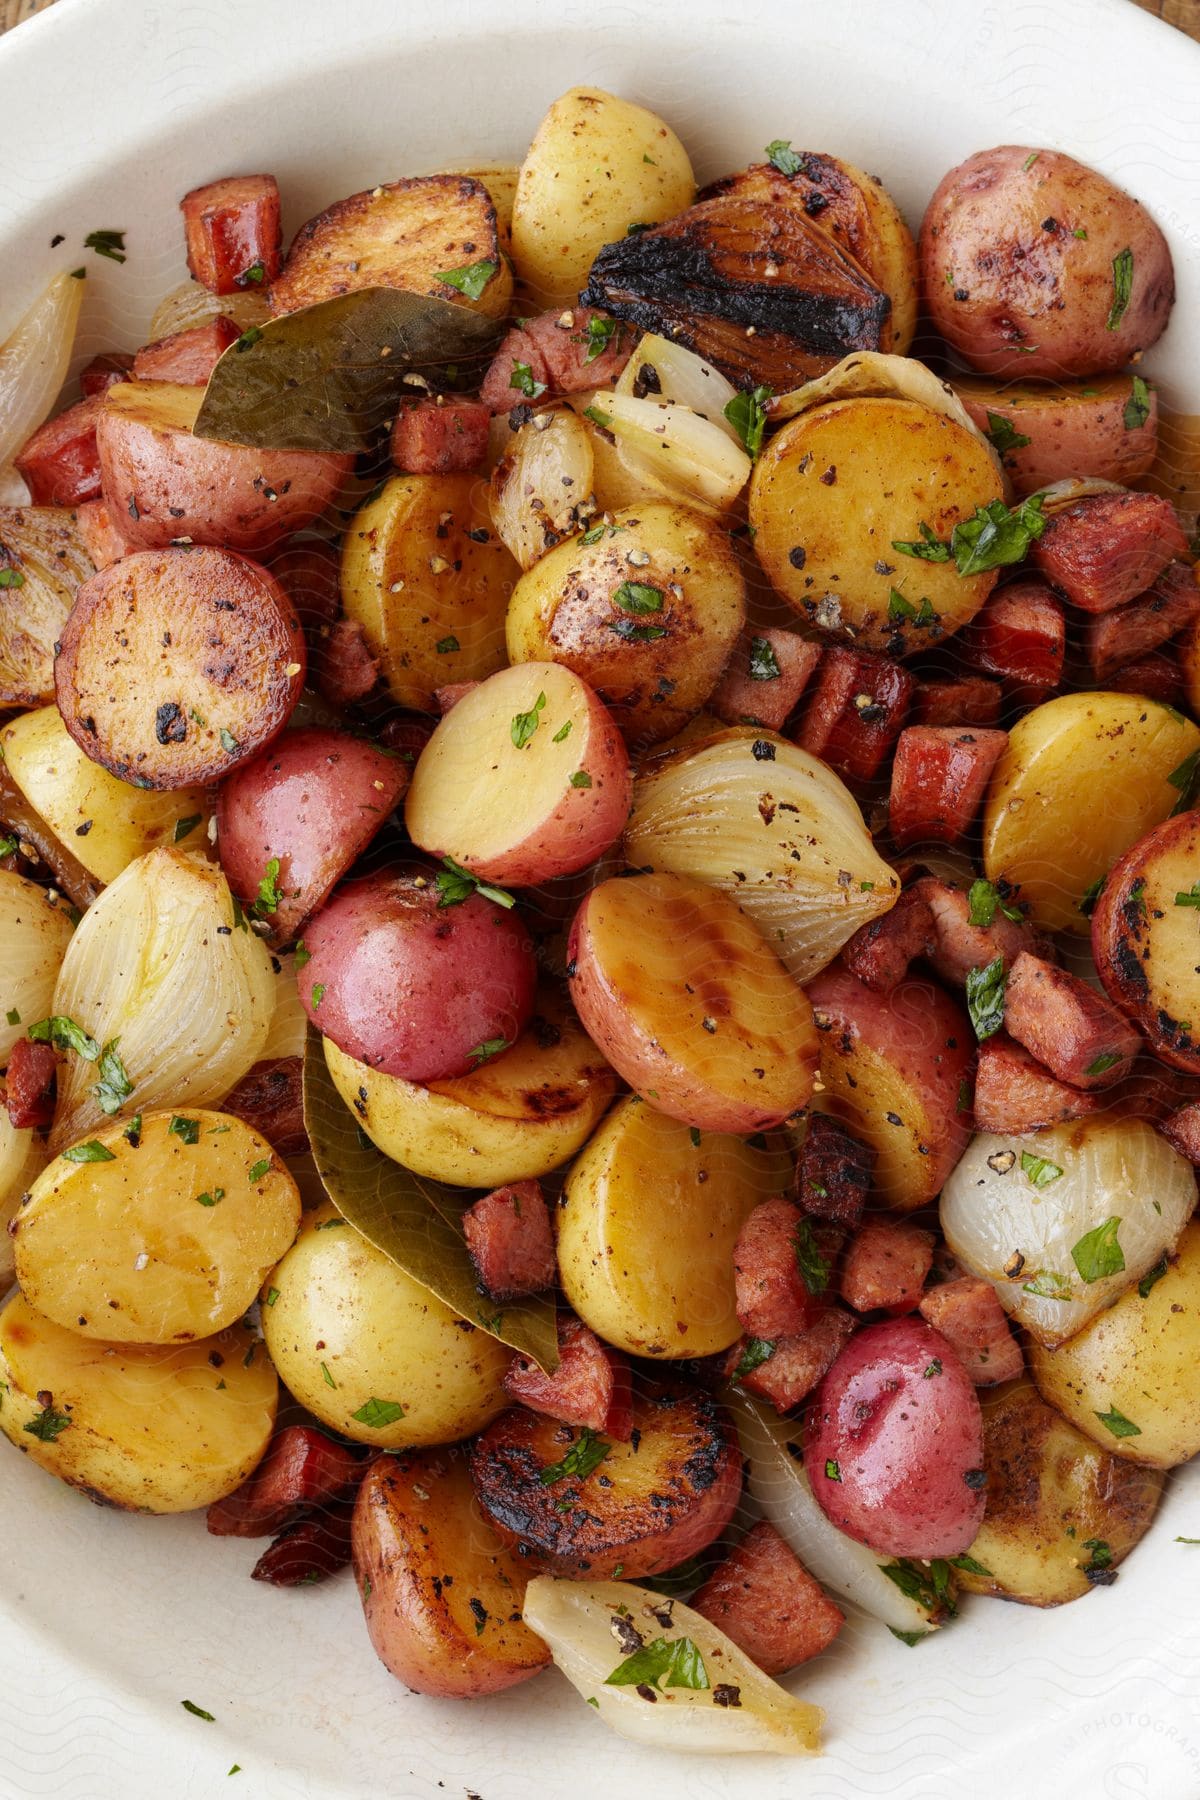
(408, 234)
(162, 1234)
(164, 486)
(34, 934)
(150, 1428)
(442, 1595)
(106, 822)
(371, 1352)
(573, 1504)
(1144, 938)
(1061, 1513)
(596, 166)
(1083, 777)
(500, 180)
(527, 778)
(646, 608)
(177, 665)
(1034, 265)
(23, 1154)
(834, 492)
(43, 560)
(690, 1003)
(895, 1067)
(645, 1180)
(426, 577)
(512, 1118)
(1103, 425)
(1128, 1380)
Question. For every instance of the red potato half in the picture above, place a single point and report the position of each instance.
(164, 486)
(526, 778)
(311, 803)
(177, 665)
(894, 1445)
(690, 1004)
(1105, 425)
(414, 987)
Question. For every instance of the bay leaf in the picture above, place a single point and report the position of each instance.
(329, 376)
(414, 1221)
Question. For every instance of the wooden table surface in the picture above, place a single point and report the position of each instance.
(1183, 13)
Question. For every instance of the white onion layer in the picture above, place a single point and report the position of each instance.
(33, 363)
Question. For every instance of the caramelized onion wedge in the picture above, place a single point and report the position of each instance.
(872, 374)
(44, 560)
(34, 935)
(540, 484)
(670, 372)
(592, 1627)
(34, 360)
(675, 452)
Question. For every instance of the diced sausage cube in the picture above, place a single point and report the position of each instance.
(795, 1364)
(442, 435)
(971, 700)
(856, 711)
(1157, 676)
(557, 353)
(310, 1551)
(765, 1600)
(1103, 550)
(348, 669)
(232, 230)
(591, 1386)
(880, 952)
(511, 1242)
(60, 463)
(833, 1172)
(939, 778)
(1072, 1030)
(1014, 1094)
(104, 371)
(959, 946)
(29, 1097)
(104, 543)
(773, 1300)
(1182, 1130)
(967, 1312)
(302, 1467)
(1124, 636)
(270, 1098)
(886, 1265)
(308, 570)
(765, 677)
(188, 357)
(1020, 635)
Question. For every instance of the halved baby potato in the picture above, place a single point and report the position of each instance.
(148, 1427)
(1061, 1511)
(641, 1506)
(372, 1353)
(105, 822)
(513, 1118)
(155, 1232)
(176, 665)
(838, 487)
(1146, 938)
(427, 578)
(646, 606)
(526, 778)
(644, 1179)
(442, 1595)
(690, 1004)
(1104, 425)
(1081, 778)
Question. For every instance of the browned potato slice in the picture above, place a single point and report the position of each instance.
(177, 665)
(42, 562)
(839, 486)
(576, 1504)
(646, 609)
(442, 1595)
(406, 234)
(1146, 938)
(1061, 1511)
(690, 1003)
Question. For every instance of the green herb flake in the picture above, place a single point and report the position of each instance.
(1087, 904)
(1030, 160)
(1186, 1540)
(603, 419)
(447, 646)
(985, 900)
(1103, 1063)
(1152, 1276)
(1045, 1285)
(248, 339)
(935, 1368)
(599, 331)
(197, 1712)
(928, 548)
(747, 413)
(636, 634)
(114, 1086)
(1003, 435)
(985, 998)
(1039, 1169)
(327, 1377)
(995, 536)
(300, 956)
(1186, 778)
(1118, 1424)
(764, 664)
(454, 884)
(522, 379)
(1080, 232)
(813, 1267)
(1191, 898)
(832, 1471)
(377, 1414)
(185, 827)
(11, 578)
(581, 779)
(1098, 1253)
(928, 1588)
(562, 734)
(13, 1016)
(1137, 407)
(259, 1169)
(525, 724)
(911, 1638)
(65, 1034)
(254, 276)
(270, 895)
(187, 1129)
(484, 1052)
(756, 1351)
(638, 597)
(969, 1566)
(47, 1425)
(91, 1152)
(1101, 1557)
(106, 243)
(694, 1135)
(1122, 276)
(318, 994)
(272, 1296)
(586, 1453)
(781, 156)
(228, 742)
(664, 1662)
(470, 280)
(210, 1197)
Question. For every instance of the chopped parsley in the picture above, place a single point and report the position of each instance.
(376, 1414)
(92, 1151)
(1191, 898)
(484, 1052)
(562, 734)
(522, 379)
(1098, 1253)
(259, 1169)
(470, 280)
(813, 1267)
(1118, 1424)
(11, 578)
(198, 1712)
(928, 548)
(664, 1662)
(114, 1086)
(638, 597)
(995, 537)
(969, 1566)
(270, 895)
(1040, 1170)
(48, 1424)
(185, 827)
(581, 779)
(985, 998)
(747, 413)
(1087, 904)
(1045, 1285)
(764, 664)
(832, 1471)
(1152, 1276)
(1102, 1064)
(985, 900)
(454, 884)
(781, 156)
(1003, 435)
(586, 1453)
(65, 1034)
(106, 243)
(228, 742)
(187, 1129)
(318, 994)
(525, 724)
(600, 331)
(636, 634)
(900, 610)
(1137, 407)
(447, 646)
(755, 1352)
(1122, 275)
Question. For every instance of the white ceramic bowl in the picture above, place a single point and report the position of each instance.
(111, 109)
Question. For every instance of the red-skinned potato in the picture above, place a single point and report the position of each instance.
(177, 665)
(313, 802)
(894, 1068)
(690, 1004)
(1144, 938)
(894, 1444)
(414, 987)
(1105, 425)
(442, 1595)
(644, 1506)
(165, 486)
(525, 779)
(1034, 265)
